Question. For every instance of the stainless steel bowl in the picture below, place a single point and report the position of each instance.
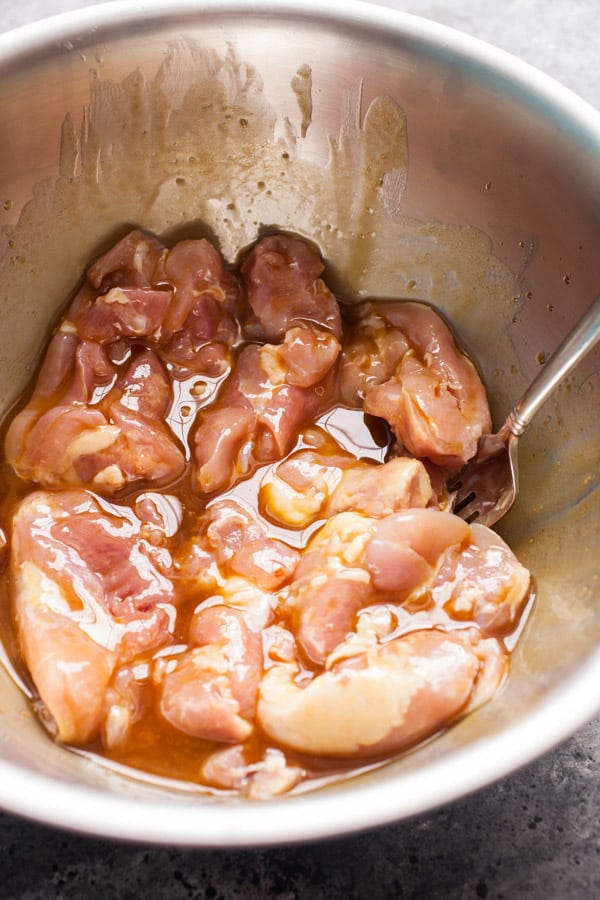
(425, 164)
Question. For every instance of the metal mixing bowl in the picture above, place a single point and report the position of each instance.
(425, 164)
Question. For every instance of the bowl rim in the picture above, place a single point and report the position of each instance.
(360, 804)
(316, 815)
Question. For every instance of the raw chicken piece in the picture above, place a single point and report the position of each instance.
(223, 443)
(402, 359)
(230, 769)
(304, 358)
(89, 595)
(486, 583)
(379, 699)
(203, 345)
(425, 558)
(107, 445)
(194, 270)
(131, 261)
(122, 312)
(273, 392)
(210, 690)
(119, 297)
(202, 323)
(281, 275)
(179, 301)
(39, 440)
(233, 542)
(309, 485)
(145, 448)
(241, 546)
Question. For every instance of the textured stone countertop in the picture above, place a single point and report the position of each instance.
(534, 835)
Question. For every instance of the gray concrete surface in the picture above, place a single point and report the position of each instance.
(535, 835)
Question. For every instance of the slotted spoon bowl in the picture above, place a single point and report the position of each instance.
(488, 485)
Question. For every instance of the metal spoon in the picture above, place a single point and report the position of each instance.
(488, 485)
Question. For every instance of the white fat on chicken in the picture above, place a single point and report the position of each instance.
(387, 697)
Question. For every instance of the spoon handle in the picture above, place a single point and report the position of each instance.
(571, 350)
